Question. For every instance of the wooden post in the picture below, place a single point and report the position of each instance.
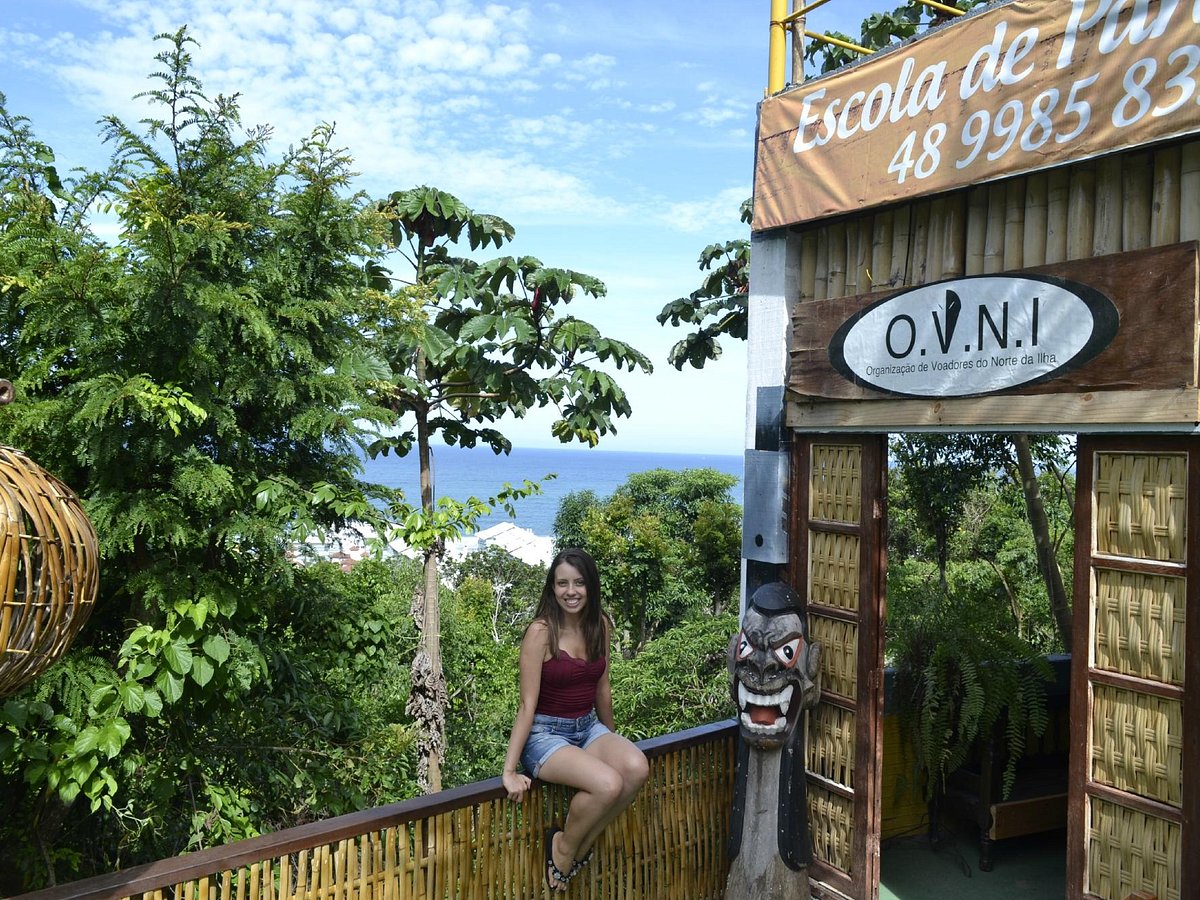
(1137, 182)
(901, 238)
(1107, 231)
(1056, 216)
(1014, 224)
(797, 44)
(977, 207)
(1081, 210)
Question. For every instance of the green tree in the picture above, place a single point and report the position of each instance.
(995, 531)
(941, 471)
(718, 307)
(491, 602)
(678, 681)
(498, 588)
(478, 341)
(880, 30)
(568, 521)
(199, 382)
(668, 544)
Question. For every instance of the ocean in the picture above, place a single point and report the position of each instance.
(461, 473)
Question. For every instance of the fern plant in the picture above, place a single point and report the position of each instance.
(961, 668)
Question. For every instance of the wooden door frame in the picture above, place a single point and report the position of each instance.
(1082, 672)
(868, 739)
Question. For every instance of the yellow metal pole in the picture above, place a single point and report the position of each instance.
(804, 10)
(838, 42)
(777, 61)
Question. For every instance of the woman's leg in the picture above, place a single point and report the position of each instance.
(627, 761)
(599, 787)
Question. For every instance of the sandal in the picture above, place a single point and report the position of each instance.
(577, 865)
(553, 872)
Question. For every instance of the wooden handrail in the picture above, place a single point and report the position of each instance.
(201, 863)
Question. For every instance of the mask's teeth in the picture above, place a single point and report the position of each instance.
(754, 728)
(742, 695)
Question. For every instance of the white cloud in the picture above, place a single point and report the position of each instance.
(573, 122)
(717, 213)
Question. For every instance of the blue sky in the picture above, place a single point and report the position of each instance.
(617, 137)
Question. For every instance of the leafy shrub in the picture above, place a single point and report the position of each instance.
(960, 669)
(679, 680)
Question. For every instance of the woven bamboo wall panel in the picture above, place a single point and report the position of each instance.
(831, 743)
(836, 489)
(49, 569)
(1137, 743)
(1130, 851)
(671, 843)
(839, 654)
(1140, 505)
(1139, 624)
(833, 569)
(831, 824)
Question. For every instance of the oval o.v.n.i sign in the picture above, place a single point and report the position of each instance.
(976, 335)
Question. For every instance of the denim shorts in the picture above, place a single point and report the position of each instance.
(550, 733)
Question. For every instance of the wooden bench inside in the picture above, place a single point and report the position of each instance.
(1038, 800)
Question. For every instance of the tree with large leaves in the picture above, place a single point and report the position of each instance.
(200, 382)
(942, 469)
(475, 342)
(718, 306)
(669, 543)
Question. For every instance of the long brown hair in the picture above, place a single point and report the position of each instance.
(595, 623)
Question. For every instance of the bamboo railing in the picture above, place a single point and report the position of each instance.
(469, 842)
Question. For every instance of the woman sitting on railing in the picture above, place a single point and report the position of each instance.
(564, 730)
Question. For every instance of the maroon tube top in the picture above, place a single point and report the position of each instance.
(569, 685)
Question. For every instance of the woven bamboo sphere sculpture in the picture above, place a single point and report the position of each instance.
(49, 569)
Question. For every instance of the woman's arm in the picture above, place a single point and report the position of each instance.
(533, 654)
(604, 710)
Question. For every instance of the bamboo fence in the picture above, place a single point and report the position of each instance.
(470, 843)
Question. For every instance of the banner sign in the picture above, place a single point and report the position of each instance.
(1077, 327)
(970, 336)
(1022, 86)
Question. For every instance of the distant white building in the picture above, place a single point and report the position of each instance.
(530, 548)
(355, 543)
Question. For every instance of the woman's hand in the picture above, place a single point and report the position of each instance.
(516, 784)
